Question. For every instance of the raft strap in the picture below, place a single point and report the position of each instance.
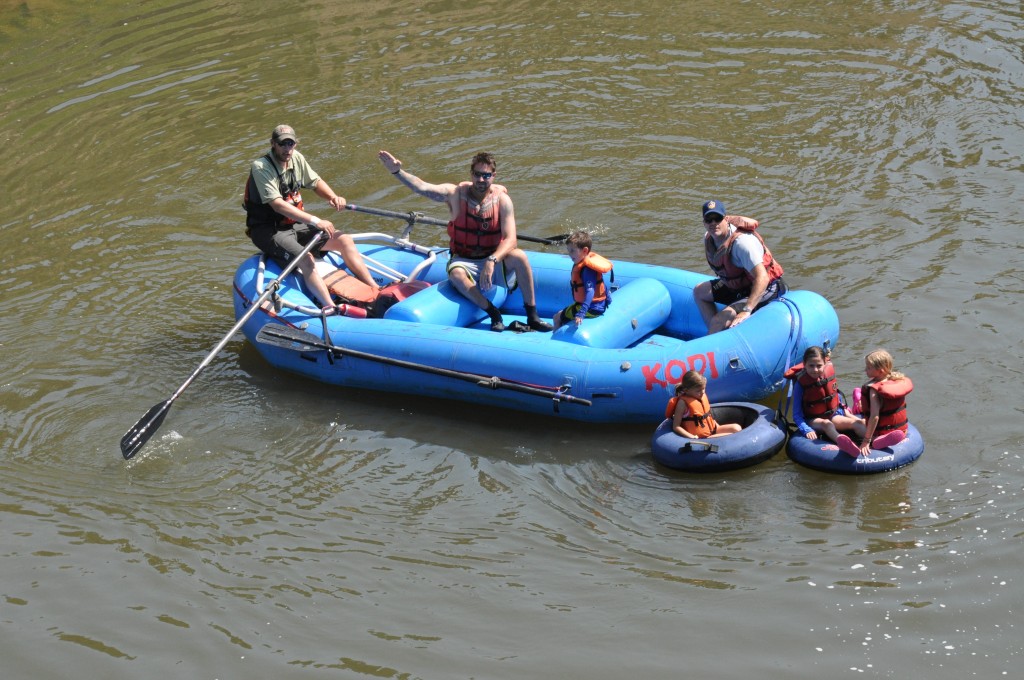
(689, 446)
(298, 340)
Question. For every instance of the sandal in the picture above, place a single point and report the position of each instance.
(891, 438)
(847, 446)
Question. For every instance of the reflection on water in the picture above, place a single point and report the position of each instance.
(276, 526)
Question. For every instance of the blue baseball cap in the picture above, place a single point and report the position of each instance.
(716, 207)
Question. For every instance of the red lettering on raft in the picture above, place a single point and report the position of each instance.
(673, 371)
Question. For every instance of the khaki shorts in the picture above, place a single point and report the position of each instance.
(472, 267)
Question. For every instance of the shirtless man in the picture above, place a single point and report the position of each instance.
(482, 235)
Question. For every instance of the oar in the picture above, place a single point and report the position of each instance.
(135, 438)
(419, 218)
(279, 335)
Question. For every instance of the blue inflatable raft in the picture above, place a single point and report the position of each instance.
(760, 439)
(620, 367)
(823, 454)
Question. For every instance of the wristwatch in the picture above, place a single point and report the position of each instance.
(748, 310)
(493, 259)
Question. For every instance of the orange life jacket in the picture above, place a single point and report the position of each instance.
(720, 260)
(821, 397)
(258, 213)
(349, 290)
(892, 414)
(475, 233)
(670, 409)
(596, 263)
(700, 421)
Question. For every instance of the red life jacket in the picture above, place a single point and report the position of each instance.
(475, 233)
(721, 262)
(596, 263)
(700, 421)
(892, 414)
(821, 397)
(260, 214)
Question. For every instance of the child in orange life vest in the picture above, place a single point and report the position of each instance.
(591, 295)
(883, 404)
(690, 411)
(816, 405)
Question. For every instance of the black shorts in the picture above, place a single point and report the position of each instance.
(724, 295)
(570, 312)
(283, 244)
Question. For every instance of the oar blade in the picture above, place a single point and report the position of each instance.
(287, 337)
(135, 438)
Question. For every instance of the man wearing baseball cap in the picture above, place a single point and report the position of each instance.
(748, 275)
(277, 222)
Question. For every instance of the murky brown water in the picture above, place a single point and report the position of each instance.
(278, 528)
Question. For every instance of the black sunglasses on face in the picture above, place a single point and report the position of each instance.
(712, 219)
(288, 143)
(483, 175)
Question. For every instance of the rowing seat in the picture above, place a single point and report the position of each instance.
(347, 289)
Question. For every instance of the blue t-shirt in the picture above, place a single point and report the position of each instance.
(590, 281)
(798, 409)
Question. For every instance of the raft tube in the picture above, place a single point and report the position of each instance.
(760, 439)
(823, 454)
(622, 367)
